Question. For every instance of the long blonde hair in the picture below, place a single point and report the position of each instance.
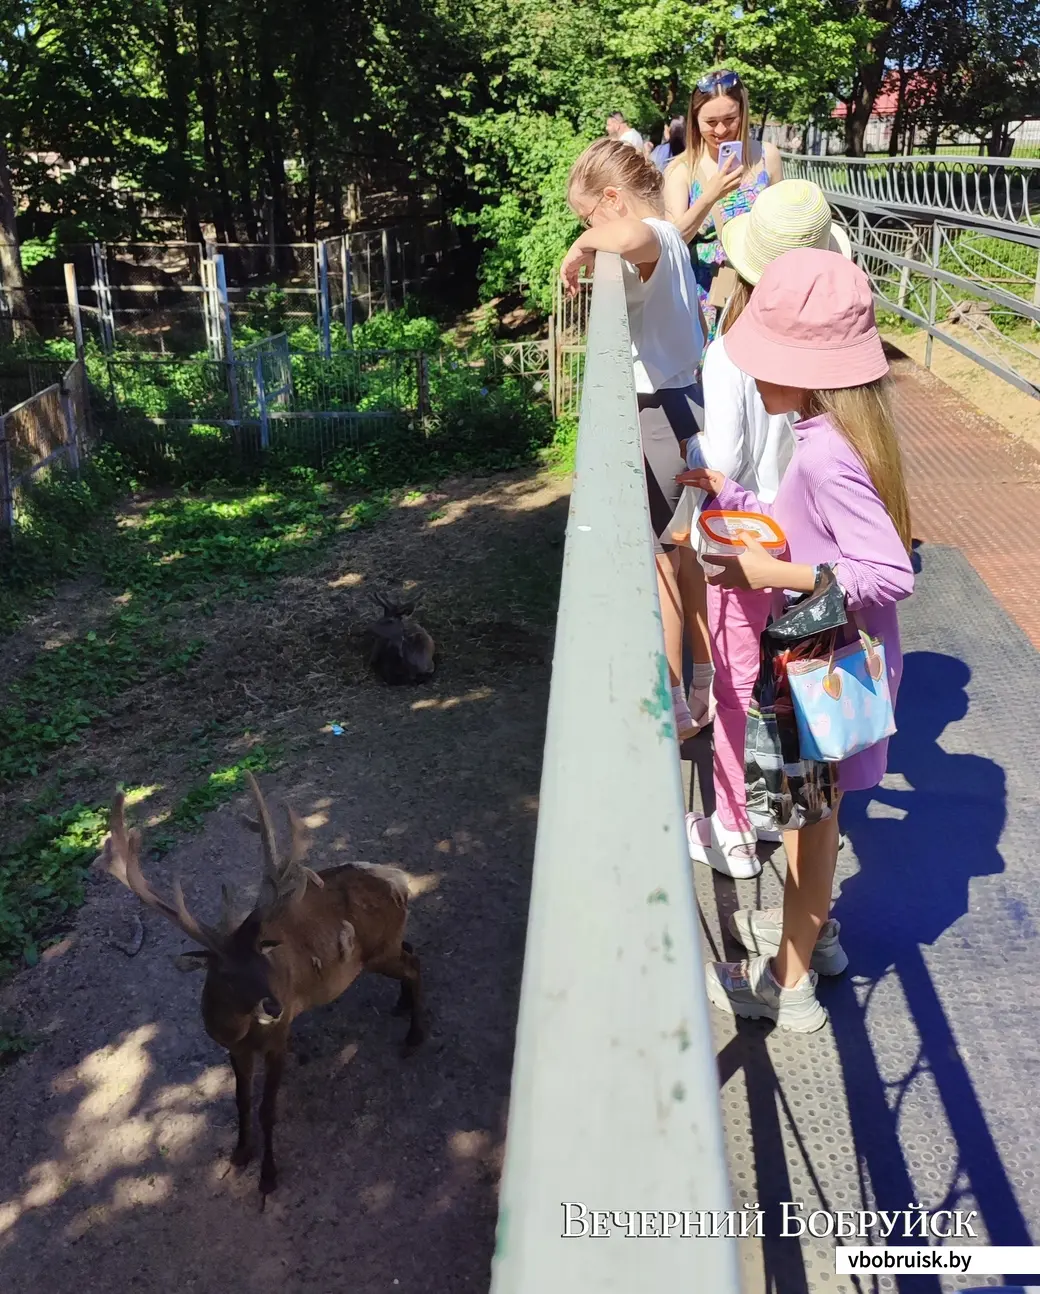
(608, 163)
(735, 305)
(864, 417)
(695, 140)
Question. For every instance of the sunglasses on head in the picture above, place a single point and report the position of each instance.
(718, 80)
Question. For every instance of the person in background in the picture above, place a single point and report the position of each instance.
(699, 196)
(752, 448)
(671, 145)
(616, 194)
(809, 339)
(618, 128)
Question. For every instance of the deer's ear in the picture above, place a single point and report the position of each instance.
(193, 961)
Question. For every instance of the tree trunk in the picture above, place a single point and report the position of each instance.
(213, 147)
(247, 207)
(177, 98)
(10, 254)
(269, 106)
(898, 121)
(870, 74)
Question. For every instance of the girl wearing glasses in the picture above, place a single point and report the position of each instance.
(616, 194)
(700, 195)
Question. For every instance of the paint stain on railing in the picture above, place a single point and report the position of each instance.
(659, 706)
(657, 896)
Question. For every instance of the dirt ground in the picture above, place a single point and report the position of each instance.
(118, 1125)
(1013, 409)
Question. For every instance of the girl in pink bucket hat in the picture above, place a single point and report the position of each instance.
(809, 339)
(753, 448)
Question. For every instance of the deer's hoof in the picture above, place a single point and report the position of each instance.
(268, 1180)
(241, 1156)
(414, 1039)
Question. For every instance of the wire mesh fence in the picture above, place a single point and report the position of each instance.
(51, 427)
(152, 296)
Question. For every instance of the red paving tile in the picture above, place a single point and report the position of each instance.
(973, 486)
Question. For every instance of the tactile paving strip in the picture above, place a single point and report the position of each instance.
(923, 1089)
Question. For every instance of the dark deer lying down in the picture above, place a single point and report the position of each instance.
(308, 937)
(402, 650)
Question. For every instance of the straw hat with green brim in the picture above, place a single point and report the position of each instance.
(786, 216)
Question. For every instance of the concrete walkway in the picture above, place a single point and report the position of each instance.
(925, 1087)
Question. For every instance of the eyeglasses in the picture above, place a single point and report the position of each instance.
(720, 80)
(586, 221)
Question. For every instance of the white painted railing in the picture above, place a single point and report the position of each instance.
(615, 1101)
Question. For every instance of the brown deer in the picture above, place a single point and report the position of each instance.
(307, 938)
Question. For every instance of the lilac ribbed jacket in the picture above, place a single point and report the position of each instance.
(830, 512)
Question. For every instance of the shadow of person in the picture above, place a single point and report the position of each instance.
(921, 838)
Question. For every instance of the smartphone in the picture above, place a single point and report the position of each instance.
(731, 148)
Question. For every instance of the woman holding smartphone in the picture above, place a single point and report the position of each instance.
(719, 175)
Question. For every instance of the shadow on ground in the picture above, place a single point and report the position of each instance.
(117, 1127)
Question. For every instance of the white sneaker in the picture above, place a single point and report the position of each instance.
(732, 853)
(749, 989)
(768, 836)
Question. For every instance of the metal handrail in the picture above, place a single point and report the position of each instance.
(615, 1101)
(997, 193)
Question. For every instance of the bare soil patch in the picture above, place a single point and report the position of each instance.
(117, 1126)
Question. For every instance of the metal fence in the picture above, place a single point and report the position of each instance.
(49, 428)
(614, 1101)
(975, 293)
(570, 325)
(993, 194)
(305, 405)
(157, 295)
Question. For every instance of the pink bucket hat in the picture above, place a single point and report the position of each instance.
(810, 324)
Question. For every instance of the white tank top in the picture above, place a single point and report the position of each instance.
(662, 315)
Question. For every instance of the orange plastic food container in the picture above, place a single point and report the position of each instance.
(720, 534)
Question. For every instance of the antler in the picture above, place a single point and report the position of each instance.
(122, 859)
(284, 883)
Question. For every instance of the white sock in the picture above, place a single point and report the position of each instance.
(678, 697)
(703, 675)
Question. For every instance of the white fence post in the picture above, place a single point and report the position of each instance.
(261, 398)
(348, 292)
(321, 285)
(228, 342)
(387, 280)
(103, 297)
(72, 294)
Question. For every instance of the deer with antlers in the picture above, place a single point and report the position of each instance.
(308, 936)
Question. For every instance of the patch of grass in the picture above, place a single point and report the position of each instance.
(42, 876)
(41, 880)
(65, 690)
(58, 536)
(219, 787)
(560, 453)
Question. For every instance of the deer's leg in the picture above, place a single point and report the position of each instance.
(406, 998)
(242, 1064)
(275, 1064)
(405, 967)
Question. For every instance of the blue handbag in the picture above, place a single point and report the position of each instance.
(842, 703)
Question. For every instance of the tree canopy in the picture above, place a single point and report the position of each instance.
(260, 118)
